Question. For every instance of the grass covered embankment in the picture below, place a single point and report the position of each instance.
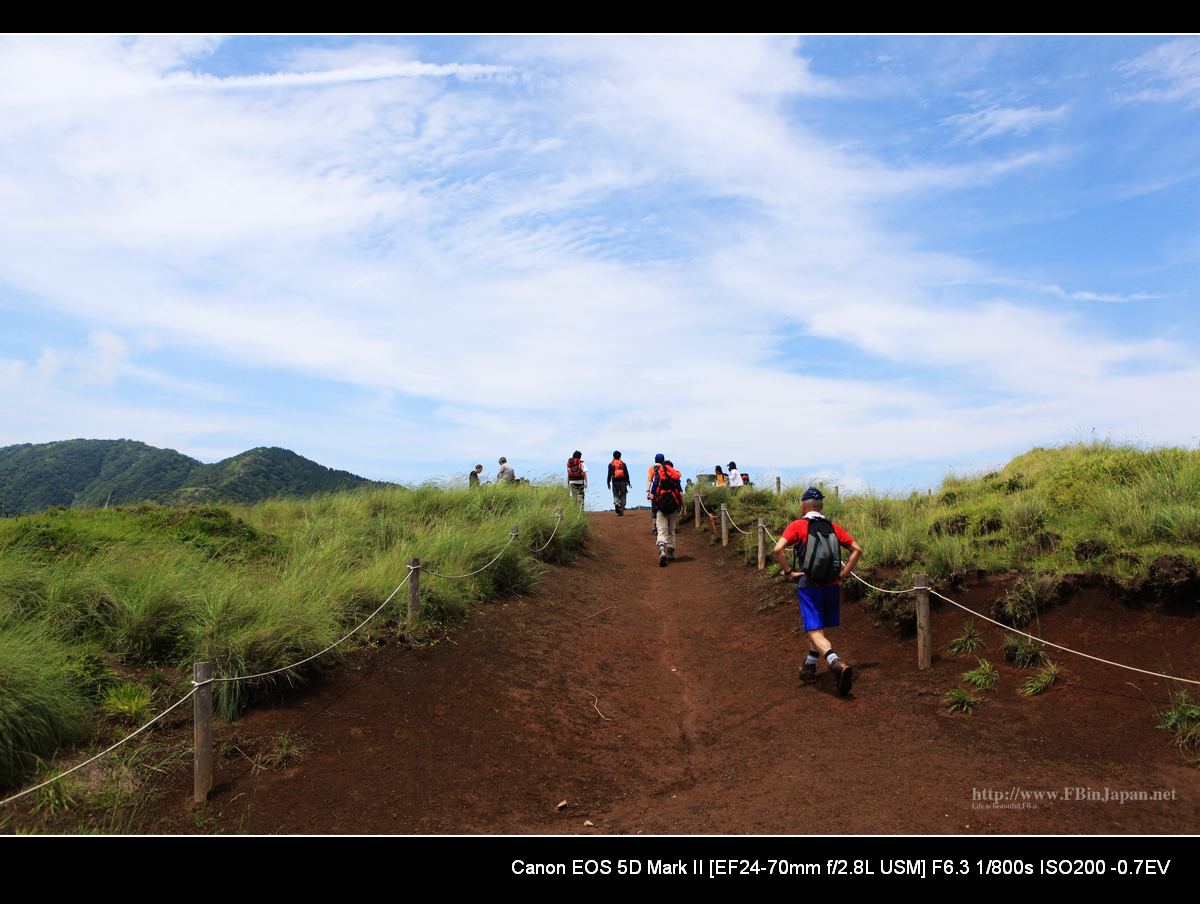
(1128, 515)
(1103, 513)
(91, 601)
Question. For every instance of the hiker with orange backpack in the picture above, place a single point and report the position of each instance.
(666, 493)
(618, 482)
(577, 475)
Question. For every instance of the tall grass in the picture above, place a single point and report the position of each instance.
(1094, 506)
(249, 588)
(40, 709)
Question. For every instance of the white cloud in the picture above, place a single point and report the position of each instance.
(582, 240)
(1175, 65)
(994, 121)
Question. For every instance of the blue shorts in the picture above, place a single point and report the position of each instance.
(819, 607)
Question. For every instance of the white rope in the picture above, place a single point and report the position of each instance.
(1040, 640)
(1119, 665)
(285, 668)
(714, 514)
(552, 533)
(353, 631)
(880, 589)
(511, 537)
(102, 753)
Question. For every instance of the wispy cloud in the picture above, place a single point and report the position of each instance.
(980, 125)
(1171, 72)
(533, 244)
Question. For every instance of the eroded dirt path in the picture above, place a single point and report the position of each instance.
(628, 698)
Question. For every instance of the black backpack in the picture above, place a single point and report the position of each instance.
(822, 554)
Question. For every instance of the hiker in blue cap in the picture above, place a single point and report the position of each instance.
(819, 542)
(658, 459)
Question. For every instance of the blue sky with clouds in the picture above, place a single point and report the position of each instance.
(867, 259)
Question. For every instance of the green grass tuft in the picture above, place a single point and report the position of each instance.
(1182, 718)
(968, 641)
(959, 700)
(984, 676)
(1041, 682)
(1023, 652)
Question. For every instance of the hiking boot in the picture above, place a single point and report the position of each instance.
(808, 673)
(662, 556)
(844, 675)
(670, 553)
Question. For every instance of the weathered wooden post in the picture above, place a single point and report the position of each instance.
(696, 506)
(202, 719)
(414, 590)
(762, 543)
(924, 633)
(778, 491)
(724, 524)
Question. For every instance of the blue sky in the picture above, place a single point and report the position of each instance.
(865, 259)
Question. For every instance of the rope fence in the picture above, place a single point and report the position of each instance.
(203, 686)
(725, 519)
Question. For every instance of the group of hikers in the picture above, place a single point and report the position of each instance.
(817, 569)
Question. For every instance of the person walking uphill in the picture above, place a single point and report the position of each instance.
(577, 475)
(667, 496)
(818, 541)
(618, 482)
(650, 471)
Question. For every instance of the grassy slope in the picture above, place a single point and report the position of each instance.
(1103, 508)
(85, 593)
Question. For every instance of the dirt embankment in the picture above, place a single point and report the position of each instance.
(628, 698)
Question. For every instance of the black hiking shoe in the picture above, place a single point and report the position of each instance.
(844, 676)
(808, 673)
(671, 553)
(662, 556)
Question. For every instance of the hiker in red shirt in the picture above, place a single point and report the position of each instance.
(819, 541)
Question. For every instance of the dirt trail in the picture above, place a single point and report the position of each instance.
(666, 700)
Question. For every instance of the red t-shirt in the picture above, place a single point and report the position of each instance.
(797, 532)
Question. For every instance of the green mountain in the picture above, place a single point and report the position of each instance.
(86, 473)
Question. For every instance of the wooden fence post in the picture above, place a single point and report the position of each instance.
(696, 506)
(202, 719)
(778, 491)
(414, 590)
(924, 634)
(762, 543)
(724, 524)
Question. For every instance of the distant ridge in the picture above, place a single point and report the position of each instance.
(81, 473)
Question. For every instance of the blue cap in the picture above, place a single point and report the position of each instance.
(660, 457)
(812, 493)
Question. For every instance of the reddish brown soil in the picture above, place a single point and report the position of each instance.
(628, 698)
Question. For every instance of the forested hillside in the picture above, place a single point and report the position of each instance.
(89, 472)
